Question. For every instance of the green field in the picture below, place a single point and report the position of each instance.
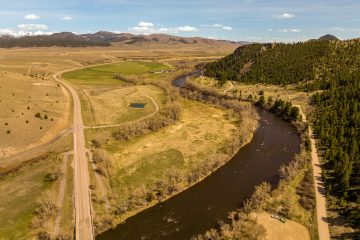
(102, 75)
(20, 193)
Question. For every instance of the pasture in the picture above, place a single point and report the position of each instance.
(32, 111)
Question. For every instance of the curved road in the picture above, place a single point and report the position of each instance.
(84, 230)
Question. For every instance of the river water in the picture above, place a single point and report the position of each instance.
(200, 207)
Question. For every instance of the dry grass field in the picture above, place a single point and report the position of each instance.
(106, 100)
(27, 88)
(27, 72)
(113, 106)
(32, 111)
(180, 147)
(275, 229)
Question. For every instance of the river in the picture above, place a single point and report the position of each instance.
(200, 207)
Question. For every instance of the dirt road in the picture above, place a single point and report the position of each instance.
(84, 230)
(323, 226)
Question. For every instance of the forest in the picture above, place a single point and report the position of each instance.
(330, 70)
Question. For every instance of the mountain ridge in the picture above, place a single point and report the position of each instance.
(103, 38)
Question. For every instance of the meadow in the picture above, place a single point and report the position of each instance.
(20, 196)
(34, 109)
(32, 112)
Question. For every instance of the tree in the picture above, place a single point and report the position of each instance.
(261, 101)
(294, 113)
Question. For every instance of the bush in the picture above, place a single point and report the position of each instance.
(38, 115)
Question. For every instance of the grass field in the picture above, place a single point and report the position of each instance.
(20, 193)
(112, 106)
(106, 100)
(28, 73)
(275, 229)
(21, 99)
(146, 159)
(103, 75)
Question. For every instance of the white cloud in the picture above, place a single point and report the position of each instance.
(145, 24)
(227, 28)
(269, 29)
(31, 17)
(26, 30)
(292, 30)
(32, 27)
(223, 27)
(149, 28)
(285, 16)
(66, 18)
(21, 33)
(186, 29)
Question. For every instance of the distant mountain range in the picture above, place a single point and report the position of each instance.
(103, 38)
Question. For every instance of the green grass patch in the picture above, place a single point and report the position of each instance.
(102, 75)
(150, 169)
(19, 195)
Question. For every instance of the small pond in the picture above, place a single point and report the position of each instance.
(137, 105)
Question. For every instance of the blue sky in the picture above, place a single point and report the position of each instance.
(248, 20)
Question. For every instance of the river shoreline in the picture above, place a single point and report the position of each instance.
(247, 154)
(154, 203)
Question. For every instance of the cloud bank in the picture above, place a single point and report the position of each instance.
(150, 28)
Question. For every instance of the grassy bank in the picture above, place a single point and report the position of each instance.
(133, 169)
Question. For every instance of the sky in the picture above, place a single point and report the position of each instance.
(237, 20)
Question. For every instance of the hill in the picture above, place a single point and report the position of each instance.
(104, 38)
(330, 66)
(329, 37)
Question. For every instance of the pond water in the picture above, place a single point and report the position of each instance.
(137, 105)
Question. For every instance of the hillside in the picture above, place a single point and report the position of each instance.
(331, 66)
(104, 38)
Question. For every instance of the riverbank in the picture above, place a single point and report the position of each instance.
(223, 191)
(295, 189)
(151, 168)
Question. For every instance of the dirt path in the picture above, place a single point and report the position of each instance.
(62, 187)
(323, 226)
(19, 158)
(228, 89)
(157, 108)
(83, 220)
(99, 183)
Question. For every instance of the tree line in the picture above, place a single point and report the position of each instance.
(330, 66)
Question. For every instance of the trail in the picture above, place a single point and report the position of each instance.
(228, 89)
(62, 187)
(83, 219)
(100, 183)
(32, 152)
(323, 226)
